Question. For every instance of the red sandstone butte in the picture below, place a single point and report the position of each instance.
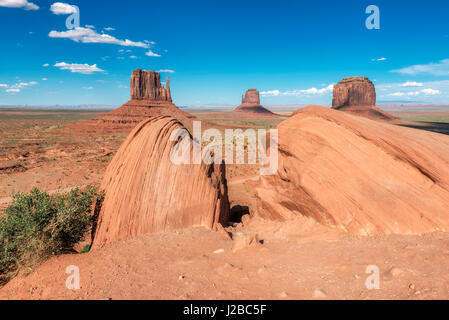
(357, 95)
(148, 99)
(251, 104)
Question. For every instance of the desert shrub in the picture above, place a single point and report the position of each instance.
(38, 225)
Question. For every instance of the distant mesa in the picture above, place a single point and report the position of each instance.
(251, 104)
(354, 91)
(149, 98)
(357, 95)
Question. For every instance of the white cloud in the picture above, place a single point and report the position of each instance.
(17, 87)
(272, 93)
(430, 92)
(397, 94)
(86, 35)
(152, 54)
(427, 92)
(89, 26)
(78, 68)
(62, 8)
(46, 65)
(109, 29)
(437, 69)
(165, 71)
(380, 59)
(44, 79)
(412, 84)
(311, 91)
(88, 88)
(18, 4)
(25, 84)
(133, 57)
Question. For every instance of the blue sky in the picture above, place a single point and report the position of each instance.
(292, 51)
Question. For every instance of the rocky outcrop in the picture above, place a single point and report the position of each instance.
(145, 192)
(362, 176)
(146, 85)
(357, 95)
(251, 104)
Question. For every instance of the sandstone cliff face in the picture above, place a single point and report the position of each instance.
(251, 97)
(145, 192)
(146, 85)
(354, 91)
(357, 95)
(362, 176)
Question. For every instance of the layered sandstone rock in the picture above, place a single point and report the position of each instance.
(357, 95)
(362, 176)
(251, 98)
(251, 104)
(145, 192)
(148, 99)
(146, 85)
(354, 91)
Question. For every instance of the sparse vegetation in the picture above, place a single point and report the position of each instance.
(85, 249)
(38, 225)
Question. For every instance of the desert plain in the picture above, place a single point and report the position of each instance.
(354, 189)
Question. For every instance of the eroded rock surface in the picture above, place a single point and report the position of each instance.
(354, 91)
(362, 176)
(145, 192)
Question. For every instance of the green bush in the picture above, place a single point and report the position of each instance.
(38, 225)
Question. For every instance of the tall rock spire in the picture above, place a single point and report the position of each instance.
(167, 87)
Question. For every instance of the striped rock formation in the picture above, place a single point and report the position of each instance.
(362, 176)
(145, 192)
